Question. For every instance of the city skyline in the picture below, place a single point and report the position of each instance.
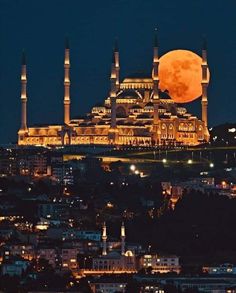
(117, 146)
(90, 55)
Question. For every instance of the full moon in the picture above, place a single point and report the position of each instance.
(180, 73)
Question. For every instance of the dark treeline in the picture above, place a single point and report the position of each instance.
(202, 226)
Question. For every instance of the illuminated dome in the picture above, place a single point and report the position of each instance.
(129, 253)
(128, 94)
(149, 104)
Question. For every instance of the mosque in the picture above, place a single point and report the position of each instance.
(123, 261)
(136, 112)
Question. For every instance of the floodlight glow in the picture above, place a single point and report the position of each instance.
(132, 167)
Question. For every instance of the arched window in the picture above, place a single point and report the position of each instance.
(163, 131)
(120, 111)
(190, 127)
(163, 126)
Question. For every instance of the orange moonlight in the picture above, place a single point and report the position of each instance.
(180, 73)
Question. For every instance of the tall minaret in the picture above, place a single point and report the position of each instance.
(155, 79)
(104, 239)
(67, 84)
(113, 92)
(117, 65)
(23, 94)
(122, 236)
(204, 83)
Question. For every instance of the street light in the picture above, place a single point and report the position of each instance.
(211, 165)
(132, 167)
(164, 161)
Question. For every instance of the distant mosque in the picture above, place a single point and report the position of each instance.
(136, 112)
(123, 261)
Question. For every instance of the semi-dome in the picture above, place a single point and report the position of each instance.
(164, 95)
(149, 104)
(128, 94)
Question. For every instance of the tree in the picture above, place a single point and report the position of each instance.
(44, 266)
(132, 286)
(9, 284)
(84, 286)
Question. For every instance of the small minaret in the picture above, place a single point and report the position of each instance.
(67, 84)
(155, 79)
(23, 94)
(117, 65)
(113, 92)
(122, 236)
(204, 83)
(104, 239)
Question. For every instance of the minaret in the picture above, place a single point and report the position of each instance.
(155, 79)
(122, 236)
(104, 239)
(23, 94)
(113, 92)
(204, 83)
(67, 84)
(155, 99)
(117, 65)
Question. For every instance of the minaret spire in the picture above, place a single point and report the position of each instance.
(155, 78)
(113, 91)
(23, 93)
(204, 83)
(117, 64)
(104, 239)
(67, 83)
(122, 236)
(155, 68)
(155, 39)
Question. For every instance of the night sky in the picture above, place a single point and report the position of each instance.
(40, 27)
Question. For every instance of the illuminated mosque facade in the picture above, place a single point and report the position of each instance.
(121, 261)
(136, 112)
